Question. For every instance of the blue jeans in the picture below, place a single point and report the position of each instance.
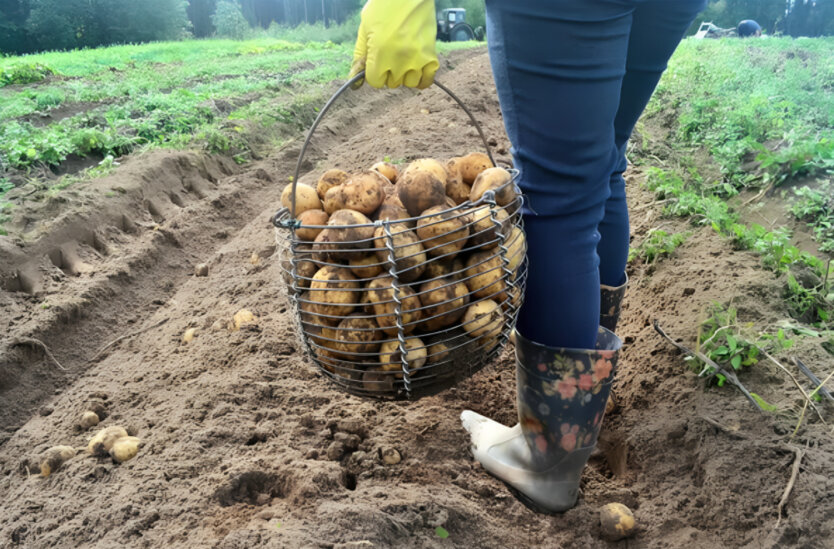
(573, 77)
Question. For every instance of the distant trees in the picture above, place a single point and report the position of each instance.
(793, 17)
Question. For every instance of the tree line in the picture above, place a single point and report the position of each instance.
(36, 25)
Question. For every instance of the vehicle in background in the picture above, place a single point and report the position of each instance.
(452, 26)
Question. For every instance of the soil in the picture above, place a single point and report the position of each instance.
(247, 445)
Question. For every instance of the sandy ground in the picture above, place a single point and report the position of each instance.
(247, 445)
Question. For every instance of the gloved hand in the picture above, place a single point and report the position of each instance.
(395, 45)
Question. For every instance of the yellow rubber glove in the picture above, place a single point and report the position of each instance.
(395, 45)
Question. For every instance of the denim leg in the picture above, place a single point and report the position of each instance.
(558, 67)
(656, 30)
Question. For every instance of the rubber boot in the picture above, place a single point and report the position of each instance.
(561, 404)
(611, 303)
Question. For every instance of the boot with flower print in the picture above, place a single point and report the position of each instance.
(610, 303)
(561, 403)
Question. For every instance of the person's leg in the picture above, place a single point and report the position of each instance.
(657, 28)
(558, 68)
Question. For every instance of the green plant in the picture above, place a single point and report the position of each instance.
(657, 244)
(24, 73)
(816, 207)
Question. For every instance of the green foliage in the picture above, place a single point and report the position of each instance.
(23, 73)
(817, 209)
(228, 20)
(657, 244)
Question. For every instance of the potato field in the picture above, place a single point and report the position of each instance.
(154, 391)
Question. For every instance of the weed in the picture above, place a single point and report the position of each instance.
(23, 73)
(816, 207)
(657, 244)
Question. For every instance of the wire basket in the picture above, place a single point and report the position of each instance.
(385, 313)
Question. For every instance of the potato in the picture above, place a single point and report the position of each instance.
(333, 200)
(125, 449)
(436, 268)
(366, 266)
(616, 521)
(392, 212)
(448, 346)
(444, 301)
(409, 255)
(322, 247)
(497, 180)
(316, 327)
(484, 232)
(310, 217)
(363, 192)
(485, 276)
(188, 335)
(333, 293)
(513, 297)
(305, 198)
(305, 266)
(388, 170)
(516, 247)
(434, 167)
(376, 380)
(456, 189)
(88, 419)
(483, 319)
(420, 190)
(381, 297)
(357, 336)
(102, 442)
(391, 358)
(348, 231)
(55, 457)
(328, 180)
(443, 232)
(242, 318)
(471, 165)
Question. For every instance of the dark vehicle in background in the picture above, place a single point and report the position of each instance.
(452, 26)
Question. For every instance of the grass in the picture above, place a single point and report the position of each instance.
(213, 94)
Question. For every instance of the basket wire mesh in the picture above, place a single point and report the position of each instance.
(380, 328)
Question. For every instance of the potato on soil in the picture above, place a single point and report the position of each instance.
(332, 293)
(189, 334)
(88, 419)
(497, 180)
(346, 233)
(55, 457)
(456, 189)
(363, 192)
(616, 521)
(409, 256)
(381, 296)
(329, 179)
(390, 357)
(365, 266)
(485, 276)
(388, 170)
(357, 336)
(306, 198)
(242, 318)
(471, 165)
(484, 230)
(444, 300)
(125, 449)
(483, 318)
(102, 442)
(420, 190)
(310, 217)
(443, 232)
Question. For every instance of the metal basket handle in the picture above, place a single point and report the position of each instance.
(342, 90)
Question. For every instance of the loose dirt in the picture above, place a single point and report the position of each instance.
(247, 445)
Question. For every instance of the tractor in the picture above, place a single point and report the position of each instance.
(452, 26)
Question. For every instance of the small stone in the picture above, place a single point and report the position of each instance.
(688, 291)
(46, 410)
(390, 456)
(266, 515)
(88, 419)
(326, 434)
(335, 451)
(201, 269)
(616, 522)
(312, 453)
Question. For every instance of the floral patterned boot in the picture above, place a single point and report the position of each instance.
(610, 304)
(561, 403)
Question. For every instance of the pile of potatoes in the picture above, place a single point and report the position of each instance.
(450, 282)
